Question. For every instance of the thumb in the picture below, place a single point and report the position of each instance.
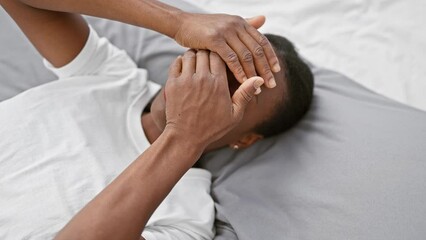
(244, 94)
(257, 21)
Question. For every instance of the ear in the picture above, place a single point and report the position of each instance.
(257, 21)
(246, 141)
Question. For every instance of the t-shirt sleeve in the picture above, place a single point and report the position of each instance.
(187, 212)
(98, 57)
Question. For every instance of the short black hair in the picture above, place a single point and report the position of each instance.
(297, 97)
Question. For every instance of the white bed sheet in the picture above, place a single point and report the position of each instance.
(380, 44)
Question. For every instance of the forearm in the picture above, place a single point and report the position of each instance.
(150, 14)
(59, 33)
(122, 209)
(237, 42)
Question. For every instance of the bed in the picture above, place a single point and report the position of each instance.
(353, 168)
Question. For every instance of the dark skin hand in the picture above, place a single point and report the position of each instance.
(123, 208)
(246, 51)
(200, 71)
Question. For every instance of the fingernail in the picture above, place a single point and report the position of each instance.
(272, 83)
(276, 68)
(258, 82)
(258, 91)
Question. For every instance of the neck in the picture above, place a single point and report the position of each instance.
(151, 130)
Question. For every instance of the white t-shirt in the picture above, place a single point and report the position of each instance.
(63, 142)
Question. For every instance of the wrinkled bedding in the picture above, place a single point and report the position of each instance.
(379, 44)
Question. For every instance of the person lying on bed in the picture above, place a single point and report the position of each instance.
(69, 146)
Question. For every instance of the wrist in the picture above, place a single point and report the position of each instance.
(180, 18)
(160, 17)
(185, 139)
(177, 19)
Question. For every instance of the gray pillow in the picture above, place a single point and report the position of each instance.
(354, 168)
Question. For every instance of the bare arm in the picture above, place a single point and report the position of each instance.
(59, 33)
(246, 52)
(151, 14)
(123, 208)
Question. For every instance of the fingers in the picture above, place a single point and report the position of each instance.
(267, 48)
(244, 94)
(249, 53)
(245, 56)
(257, 21)
(176, 68)
(231, 59)
(188, 62)
(260, 61)
(217, 66)
(202, 61)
